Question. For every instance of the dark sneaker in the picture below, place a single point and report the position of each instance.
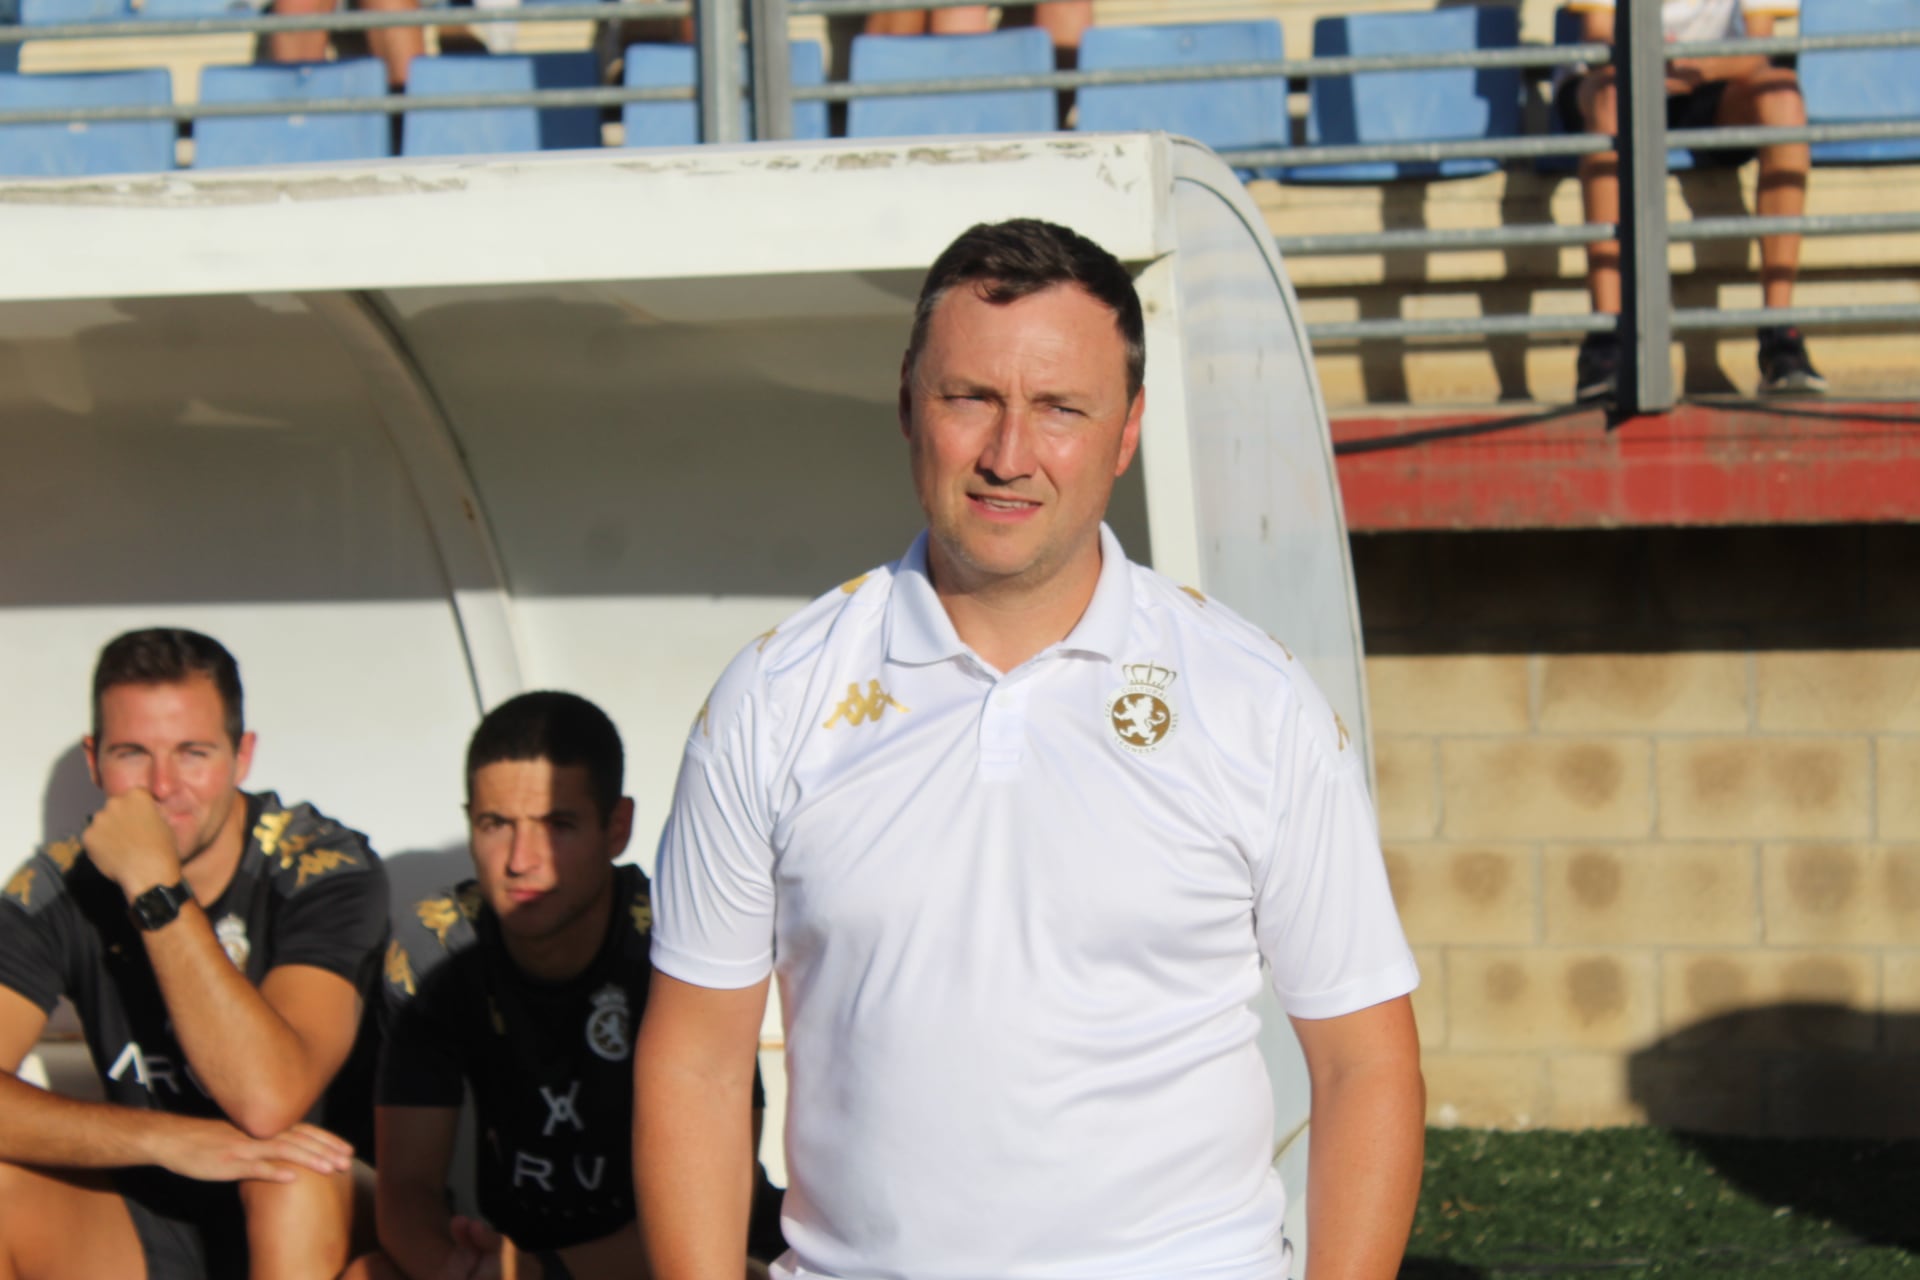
(1596, 372)
(1784, 366)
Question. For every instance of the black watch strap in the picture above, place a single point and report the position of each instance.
(158, 906)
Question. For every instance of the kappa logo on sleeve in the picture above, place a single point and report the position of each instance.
(20, 888)
(320, 862)
(858, 707)
(399, 968)
(64, 854)
(439, 915)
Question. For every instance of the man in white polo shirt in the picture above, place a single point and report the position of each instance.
(1016, 822)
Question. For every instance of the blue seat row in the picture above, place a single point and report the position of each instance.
(1248, 112)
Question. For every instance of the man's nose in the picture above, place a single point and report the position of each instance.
(1009, 451)
(163, 777)
(529, 849)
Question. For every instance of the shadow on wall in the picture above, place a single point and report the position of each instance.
(1809, 1106)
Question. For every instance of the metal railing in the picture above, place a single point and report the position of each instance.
(1646, 324)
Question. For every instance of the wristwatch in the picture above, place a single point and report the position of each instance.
(158, 906)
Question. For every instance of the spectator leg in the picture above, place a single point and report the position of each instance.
(900, 22)
(1600, 187)
(963, 20)
(1066, 21)
(71, 1224)
(374, 1266)
(299, 1230)
(298, 46)
(396, 46)
(1772, 97)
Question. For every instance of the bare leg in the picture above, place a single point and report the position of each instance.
(1066, 21)
(299, 1230)
(965, 20)
(900, 22)
(298, 46)
(55, 1226)
(1600, 187)
(373, 1266)
(396, 46)
(1772, 97)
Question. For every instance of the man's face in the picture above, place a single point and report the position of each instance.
(171, 740)
(540, 849)
(1019, 422)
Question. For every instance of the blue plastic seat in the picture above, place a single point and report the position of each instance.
(294, 138)
(53, 13)
(1569, 29)
(1412, 106)
(677, 124)
(73, 150)
(1846, 86)
(1020, 51)
(499, 129)
(1224, 114)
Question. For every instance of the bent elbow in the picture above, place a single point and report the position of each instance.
(269, 1115)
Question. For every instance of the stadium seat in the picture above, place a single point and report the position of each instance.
(677, 124)
(500, 129)
(1020, 51)
(73, 150)
(1224, 114)
(1412, 106)
(294, 138)
(1846, 86)
(1567, 29)
(53, 13)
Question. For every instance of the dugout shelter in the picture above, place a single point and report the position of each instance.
(414, 436)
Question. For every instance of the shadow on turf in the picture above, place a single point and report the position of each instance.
(1812, 1107)
(1416, 1268)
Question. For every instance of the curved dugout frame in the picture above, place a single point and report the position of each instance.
(413, 436)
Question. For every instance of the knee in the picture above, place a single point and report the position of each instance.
(299, 1230)
(1776, 98)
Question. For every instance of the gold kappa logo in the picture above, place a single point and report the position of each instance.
(1139, 713)
(642, 913)
(64, 854)
(439, 915)
(399, 968)
(319, 862)
(20, 887)
(858, 708)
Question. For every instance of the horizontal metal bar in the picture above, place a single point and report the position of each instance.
(1874, 315)
(1428, 238)
(1770, 135)
(1290, 68)
(1528, 148)
(1770, 45)
(392, 105)
(1462, 327)
(359, 21)
(1831, 224)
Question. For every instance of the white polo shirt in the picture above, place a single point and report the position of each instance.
(1017, 920)
(1684, 20)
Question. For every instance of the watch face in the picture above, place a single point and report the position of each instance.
(158, 905)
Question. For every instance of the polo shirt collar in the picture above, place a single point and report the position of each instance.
(919, 632)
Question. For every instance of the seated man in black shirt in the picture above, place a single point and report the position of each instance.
(526, 982)
(218, 947)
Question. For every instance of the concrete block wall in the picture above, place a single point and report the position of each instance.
(1651, 807)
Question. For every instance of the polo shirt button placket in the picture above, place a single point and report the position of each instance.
(1003, 729)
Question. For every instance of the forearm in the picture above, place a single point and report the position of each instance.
(413, 1224)
(1694, 72)
(42, 1128)
(243, 1052)
(693, 1172)
(1369, 1133)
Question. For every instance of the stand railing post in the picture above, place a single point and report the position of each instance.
(772, 71)
(717, 32)
(1646, 313)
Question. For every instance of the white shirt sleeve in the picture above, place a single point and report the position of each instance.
(713, 894)
(1323, 912)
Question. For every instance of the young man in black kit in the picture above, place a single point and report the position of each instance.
(218, 947)
(526, 983)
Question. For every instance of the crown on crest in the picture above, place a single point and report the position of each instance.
(609, 997)
(1150, 674)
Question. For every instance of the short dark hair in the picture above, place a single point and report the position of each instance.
(564, 729)
(169, 655)
(1007, 261)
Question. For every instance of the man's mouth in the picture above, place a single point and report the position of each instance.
(1009, 505)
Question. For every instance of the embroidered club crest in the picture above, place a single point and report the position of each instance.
(1139, 712)
(607, 1025)
(232, 932)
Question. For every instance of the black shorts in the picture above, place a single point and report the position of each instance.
(187, 1230)
(1698, 109)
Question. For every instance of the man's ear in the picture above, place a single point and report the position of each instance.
(620, 827)
(1130, 433)
(905, 406)
(93, 759)
(243, 758)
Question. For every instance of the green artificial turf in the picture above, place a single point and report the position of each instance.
(1646, 1202)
